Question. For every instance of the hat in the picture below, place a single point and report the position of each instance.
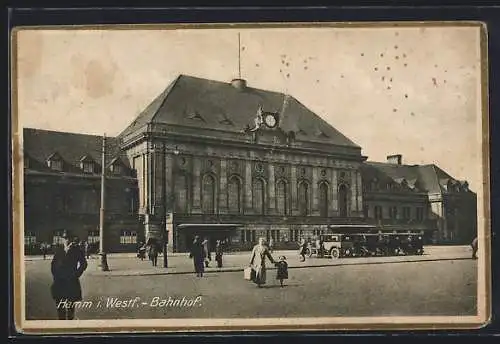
(282, 258)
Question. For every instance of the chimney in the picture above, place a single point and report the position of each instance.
(239, 84)
(395, 159)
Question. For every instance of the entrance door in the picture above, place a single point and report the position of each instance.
(212, 235)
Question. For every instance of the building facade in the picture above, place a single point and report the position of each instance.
(62, 189)
(234, 163)
(230, 162)
(419, 197)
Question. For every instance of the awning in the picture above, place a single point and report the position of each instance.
(209, 225)
(352, 226)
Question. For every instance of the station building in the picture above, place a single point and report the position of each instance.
(227, 161)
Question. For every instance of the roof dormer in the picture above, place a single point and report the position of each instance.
(87, 164)
(55, 162)
(116, 166)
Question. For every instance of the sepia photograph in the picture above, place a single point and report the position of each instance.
(256, 176)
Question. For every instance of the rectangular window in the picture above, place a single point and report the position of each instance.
(128, 237)
(406, 213)
(365, 211)
(93, 237)
(378, 212)
(420, 214)
(393, 212)
(58, 239)
(29, 238)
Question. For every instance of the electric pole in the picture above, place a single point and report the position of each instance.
(104, 261)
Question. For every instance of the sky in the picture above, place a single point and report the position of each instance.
(408, 90)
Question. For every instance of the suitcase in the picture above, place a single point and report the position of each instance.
(249, 274)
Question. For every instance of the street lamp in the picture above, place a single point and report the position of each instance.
(164, 213)
(104, 261)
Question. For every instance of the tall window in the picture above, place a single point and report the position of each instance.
(296, 234)
(139, 172)
(393, 212)
(281, 198)
(406, 213)
(273, 234)
(181, 193)
(303, 198)
(128, 237)
(93, 237)
(208, 195)
(420, 214)
(29, 238)
(366, 210)
(58, 239)
(323, 199)
(247, 235)
(343, 200)
(234, 195)
(378, 212)
(258, 196)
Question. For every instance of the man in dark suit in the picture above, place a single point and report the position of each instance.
(68, 264)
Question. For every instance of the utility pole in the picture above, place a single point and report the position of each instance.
(164, 212)
(104, 261)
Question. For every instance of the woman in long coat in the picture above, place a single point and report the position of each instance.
(258, 261)
(198, 255)
(474, 248)
(68, 264)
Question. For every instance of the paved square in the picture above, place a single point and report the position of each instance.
(442, 282)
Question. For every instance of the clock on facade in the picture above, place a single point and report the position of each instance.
(270, 120)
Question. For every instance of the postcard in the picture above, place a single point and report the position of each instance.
(250, 177)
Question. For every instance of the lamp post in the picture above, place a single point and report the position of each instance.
(104, 261)
(164, 212)
(166, 197)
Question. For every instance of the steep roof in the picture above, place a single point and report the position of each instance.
(39, 145)
(425, 177)
(195, 102)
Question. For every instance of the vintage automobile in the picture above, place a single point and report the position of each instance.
(411, 244)
(339, 245)
(334, 245)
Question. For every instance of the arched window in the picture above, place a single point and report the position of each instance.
(281, 198)
(258, 193)
(343, 200)
(181, 194)
(303, 198)
(323, 199)
(234, 195)
(208, 195)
